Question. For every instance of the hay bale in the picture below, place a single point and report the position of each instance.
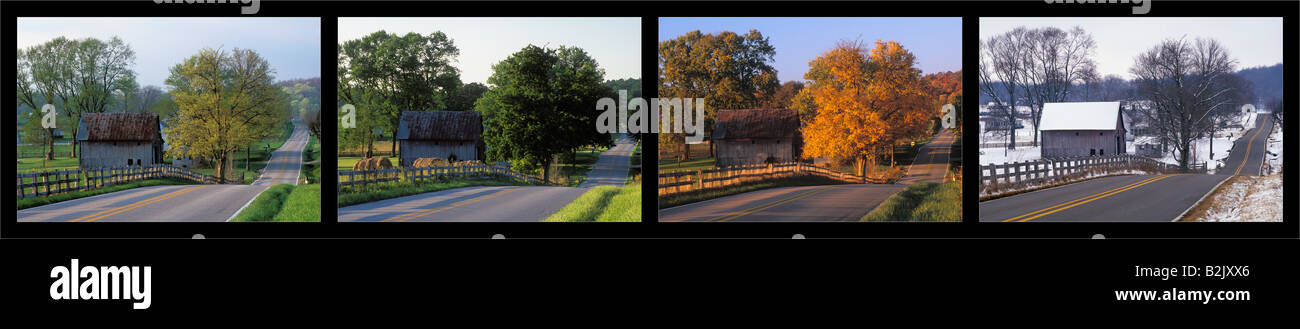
(381, 163)
(428, 162)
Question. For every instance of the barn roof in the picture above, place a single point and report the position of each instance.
(440, 125)
(1080, 116)
(770, 123)
(118, 127)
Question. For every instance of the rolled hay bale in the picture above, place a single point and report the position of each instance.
(381, 163)
(428, 162)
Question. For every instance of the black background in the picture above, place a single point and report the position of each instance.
(317, 268)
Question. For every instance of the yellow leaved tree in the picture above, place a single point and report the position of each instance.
(861, 101)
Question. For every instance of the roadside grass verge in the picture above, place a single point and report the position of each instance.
(682, 199)
(922, 202)
(603, 204)
(302, 205)
(24, 203)
(266, 205)
(389, 190)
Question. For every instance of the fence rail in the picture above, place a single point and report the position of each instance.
(426, 174)
(674, 183)
(33, 184)
(1026, 173)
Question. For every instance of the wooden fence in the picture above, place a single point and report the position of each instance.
(674, 183)
(32, 184)
(1037, 172)
(427, 174)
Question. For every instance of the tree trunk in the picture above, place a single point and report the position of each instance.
(393, 150)
(221, 167)
(49, 146)
(546, 170)
(248, 153)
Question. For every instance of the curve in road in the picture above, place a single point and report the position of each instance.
(177, 203)
(494, 203)
(1130, 198)
(827, 203)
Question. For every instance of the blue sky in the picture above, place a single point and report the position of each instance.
(1253, 41)
(291, 45)
(936, 42)
(614, 42)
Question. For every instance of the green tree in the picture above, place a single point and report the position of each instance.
(541, 106)
(728, 70)
(76, 76)
(226, 101)
(384, 74)
(466, 95)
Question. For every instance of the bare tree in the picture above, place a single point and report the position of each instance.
(1184, 82)
(1054, 60)
(1001, 61)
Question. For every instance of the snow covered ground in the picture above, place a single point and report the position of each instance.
(1000, 155)
(1274, 156)
(1246, 199)
(1222, 143)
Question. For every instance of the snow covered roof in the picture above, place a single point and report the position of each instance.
(1080, 116)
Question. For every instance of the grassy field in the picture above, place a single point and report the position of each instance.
(266, 205)
(924, 202)
(36, 164)
(389, 190)
(603, 204)
(24, 203)
(700, 159)
(568, 174)
(712, 194)
(302, 205)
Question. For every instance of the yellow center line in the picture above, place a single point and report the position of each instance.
(122, 209)
(421, 213)
(1113, 192)
(1083, 198)
(766, 206)
(1246, 156)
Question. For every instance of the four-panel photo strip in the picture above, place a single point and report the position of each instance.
(1079, 121)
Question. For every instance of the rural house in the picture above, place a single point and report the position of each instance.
(119, 139)
(450, 135)
(756, 136)
(1082, 129)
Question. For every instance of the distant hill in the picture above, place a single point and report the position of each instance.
(1267, 81)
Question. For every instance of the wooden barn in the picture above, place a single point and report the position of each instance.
(756, 136)
(119, 139)
(451, 135)
(1082, 129)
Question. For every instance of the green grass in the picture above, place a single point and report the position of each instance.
(389, 190)
(302, 205)
(345, 163)
(694, 164)
(35, 164)
(924, 202)
(686, 198)
(603, 204)
(24, 203)
(266, 205)
(37, 149)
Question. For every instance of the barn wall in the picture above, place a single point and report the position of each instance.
(115, 154)
(731, 153)
(1064, 143)
(415, 149)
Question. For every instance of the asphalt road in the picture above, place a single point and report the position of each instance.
(468, 204)
(177, 203)
(494, 203)
(1132, 198)
(611, 168)
(931, 163)
(828, 203)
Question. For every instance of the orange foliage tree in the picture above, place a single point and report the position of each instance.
(863, 101)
